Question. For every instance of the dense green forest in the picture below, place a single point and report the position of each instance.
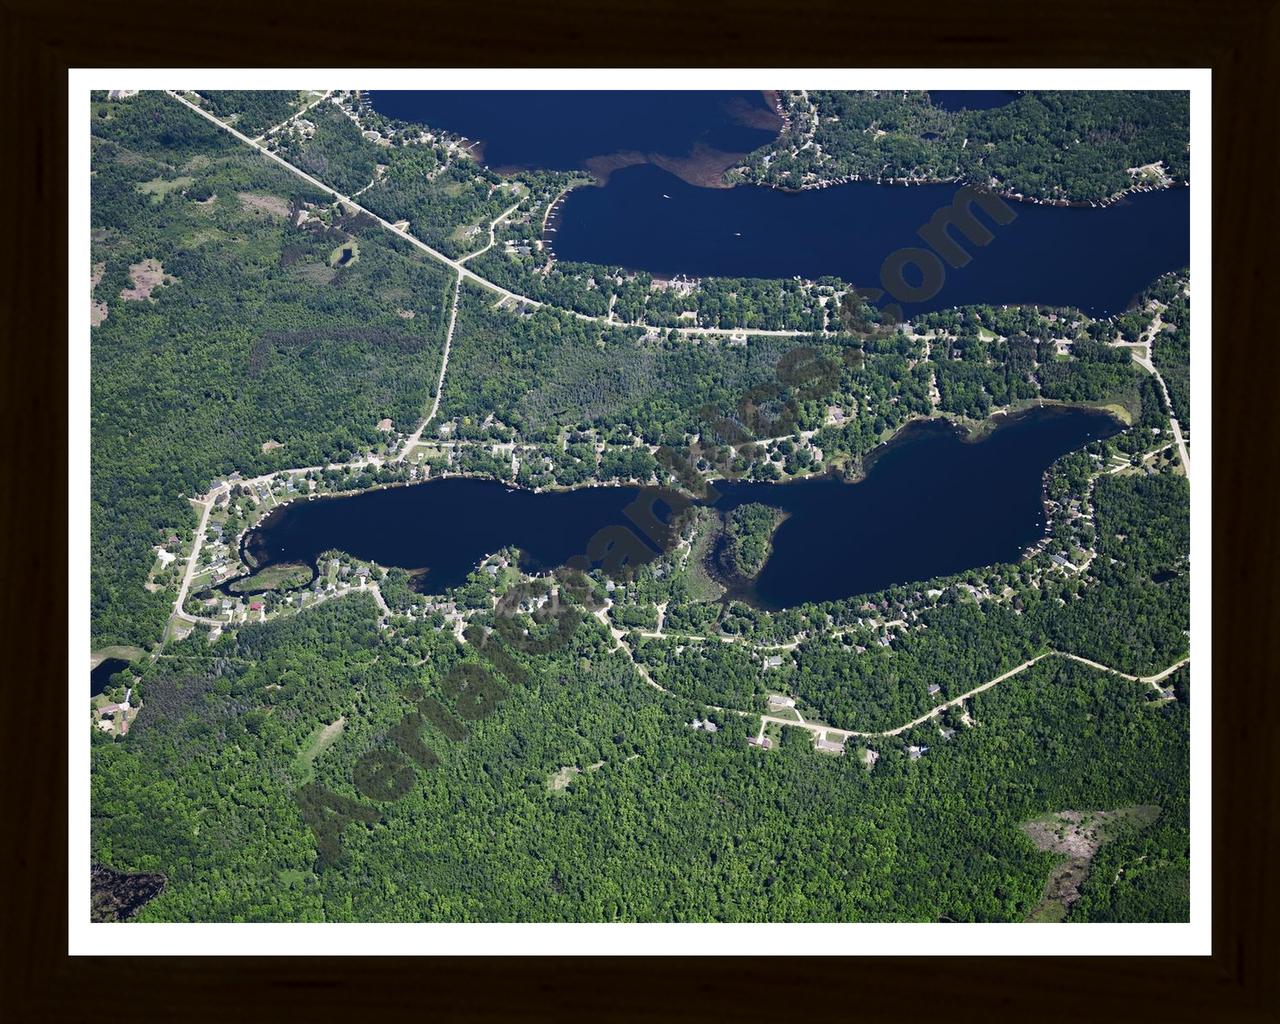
(1076, 145)
(254, 337)
(332, 151)
(748, 535)
(672, 824)
(251, 110)
(541, 370)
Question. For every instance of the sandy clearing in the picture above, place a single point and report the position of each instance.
(273, 205)
(146, 276)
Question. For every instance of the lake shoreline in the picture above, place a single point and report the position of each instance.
(969, 431)
(492, 514)
(1046, 253)
(1009, 194)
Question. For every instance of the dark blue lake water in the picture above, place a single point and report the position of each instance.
(662, 220)
(932, 504)
(564, 130)
(971, 99)
(1093, 259)
(99, 677)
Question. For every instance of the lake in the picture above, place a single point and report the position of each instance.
(1096, 259)
(100, 676)
(971, 99)
(654, 153)
(931, 504)
(575, 130)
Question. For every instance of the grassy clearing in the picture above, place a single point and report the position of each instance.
(317, 743)
(121, 651)
(465, 234)
(273, 206)
(276, 577)
(158, 188)
(560, 780)
(345, 255)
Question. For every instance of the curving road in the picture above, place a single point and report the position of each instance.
(1152, 681)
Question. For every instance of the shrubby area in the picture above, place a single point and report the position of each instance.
(1077, 145)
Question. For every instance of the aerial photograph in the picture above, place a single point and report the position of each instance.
(638, 506)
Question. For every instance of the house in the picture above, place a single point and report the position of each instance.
(763, 742)
(947, 733)
(915, 753)
(833, 746)
(256, 606)
(934, 688)
(869, 758)
(772, 661)
(779, 700)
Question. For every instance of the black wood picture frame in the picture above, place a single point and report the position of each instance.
(1238, 39)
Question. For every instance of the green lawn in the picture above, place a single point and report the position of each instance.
(276, 577)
